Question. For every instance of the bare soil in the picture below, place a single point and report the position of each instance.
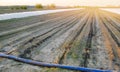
(85, 38)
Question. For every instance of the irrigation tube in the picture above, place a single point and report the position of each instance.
(2, 55)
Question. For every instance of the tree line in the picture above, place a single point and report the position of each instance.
(37, 6)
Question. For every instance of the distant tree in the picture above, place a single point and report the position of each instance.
(18, 7)
(52, 6)
(12, 8)
(23, 7)
(39, 6)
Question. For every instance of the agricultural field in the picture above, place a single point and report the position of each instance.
(85, 37)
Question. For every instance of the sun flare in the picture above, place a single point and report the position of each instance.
(61, 2)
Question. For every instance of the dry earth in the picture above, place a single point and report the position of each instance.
(87, 38)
